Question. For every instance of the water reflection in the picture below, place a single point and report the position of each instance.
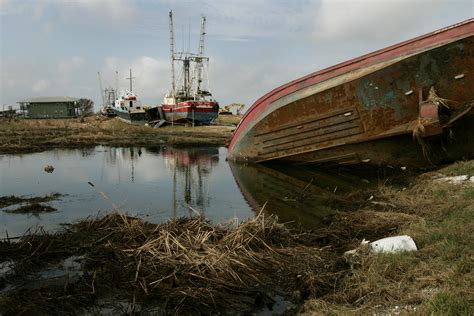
(298, 195)
(158, 183)
(163, 182)
(191, 167)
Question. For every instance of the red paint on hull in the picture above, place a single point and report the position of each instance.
(418, 44)
(204, 111)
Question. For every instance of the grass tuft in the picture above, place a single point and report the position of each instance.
(444, 303)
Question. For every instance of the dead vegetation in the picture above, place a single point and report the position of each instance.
(12, 199)
(182, 266)
(34, 209)
(28, 205)
(37, 135)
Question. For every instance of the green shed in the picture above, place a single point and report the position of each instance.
(49, 107)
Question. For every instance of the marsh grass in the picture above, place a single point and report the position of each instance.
(460, 168)
(34, 209)
(186, 265)
(444, 303)
(6, 201)
(36, 135)
(438, 279)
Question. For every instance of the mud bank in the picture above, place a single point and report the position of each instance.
(38, 135)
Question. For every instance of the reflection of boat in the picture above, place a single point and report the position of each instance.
(409, 105)
(199, 156)
(296, 195)
(192, 101)
(128, 107)
(191, 166)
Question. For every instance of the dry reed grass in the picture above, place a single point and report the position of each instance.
(185, 265)
(36, 135)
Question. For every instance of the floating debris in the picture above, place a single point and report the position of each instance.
(49, 169)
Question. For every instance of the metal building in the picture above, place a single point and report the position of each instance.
(49, 107)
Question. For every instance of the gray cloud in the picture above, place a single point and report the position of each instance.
(254, 45)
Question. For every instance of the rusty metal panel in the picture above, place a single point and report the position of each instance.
(318, 123)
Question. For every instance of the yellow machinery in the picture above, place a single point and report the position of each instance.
(226, 110)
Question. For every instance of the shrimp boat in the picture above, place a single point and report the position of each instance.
(108, 95)
(128, 108)
(190, 100)
(408, 105)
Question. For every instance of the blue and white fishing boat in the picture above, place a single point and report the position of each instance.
(128, 107)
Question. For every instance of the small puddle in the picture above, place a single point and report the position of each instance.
(70, 267)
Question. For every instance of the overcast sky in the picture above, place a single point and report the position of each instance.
(56, 47)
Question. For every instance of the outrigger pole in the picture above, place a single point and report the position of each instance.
(130, 78)
(173, 83)
(201, 53)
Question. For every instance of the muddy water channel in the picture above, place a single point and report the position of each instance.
(158, 184)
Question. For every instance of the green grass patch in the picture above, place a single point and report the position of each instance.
(440, 193)
(459, 168)
(470, 193)
(444, 303)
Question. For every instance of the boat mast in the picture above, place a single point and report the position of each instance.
(173, 80)
(187, 81)
(130, 78)
(201, 53)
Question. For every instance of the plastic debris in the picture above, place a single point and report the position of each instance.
(456, 179)
(385, 245)
(394, 244)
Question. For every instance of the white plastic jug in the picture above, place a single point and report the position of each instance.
(394, 244)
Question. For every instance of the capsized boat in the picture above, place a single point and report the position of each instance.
(190, 100)
(410, 104)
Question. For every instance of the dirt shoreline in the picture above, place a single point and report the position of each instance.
(22, 136)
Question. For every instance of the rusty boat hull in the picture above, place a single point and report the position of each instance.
(410, 104)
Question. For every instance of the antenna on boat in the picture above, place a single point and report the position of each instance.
(189, 36)
(173, 80)
(131, 79)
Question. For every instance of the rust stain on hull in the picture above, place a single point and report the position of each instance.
(397, 111)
